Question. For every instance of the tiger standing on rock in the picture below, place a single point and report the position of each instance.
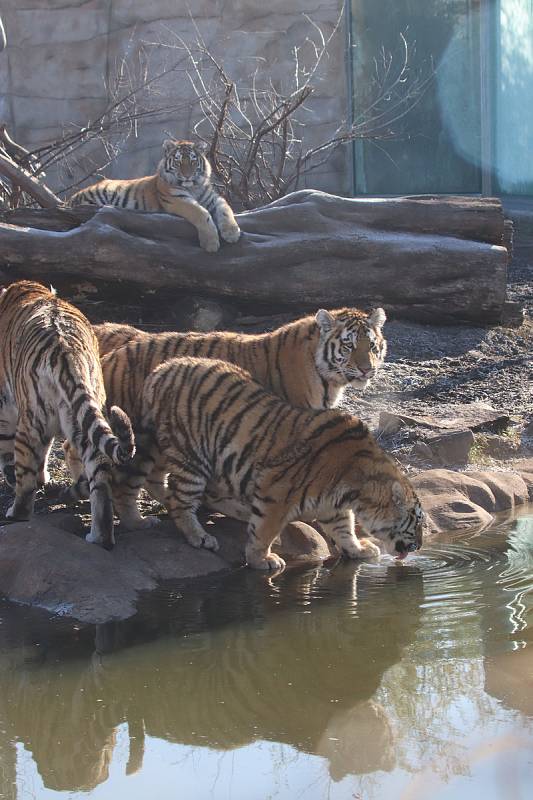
(51, 384)
(307, 363)
(226, 441)
(181, 186)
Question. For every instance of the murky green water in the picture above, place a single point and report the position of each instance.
(370, 681)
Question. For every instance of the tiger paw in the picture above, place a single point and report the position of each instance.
(209, 241)
(105, 540)
(17, 514)
(230, 233)
(202, 540)
(368, 549)
(270, 561)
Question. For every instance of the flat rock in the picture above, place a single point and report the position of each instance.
(451, 417)
(47, 563)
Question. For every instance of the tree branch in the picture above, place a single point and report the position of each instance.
(22, 178)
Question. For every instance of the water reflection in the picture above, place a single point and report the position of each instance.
(370, 670)
(306, 679)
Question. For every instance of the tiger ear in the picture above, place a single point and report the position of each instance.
(398, 493)
(324, 320)
(377, 318)
(168, 146)
(202, 147)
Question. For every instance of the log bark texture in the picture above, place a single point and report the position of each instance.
(439, 259)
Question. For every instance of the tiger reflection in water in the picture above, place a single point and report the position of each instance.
(256, 669)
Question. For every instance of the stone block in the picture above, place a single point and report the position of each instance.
(52, 116)
(475, 416)
(451, 448)
(73, 70)
(29, 27)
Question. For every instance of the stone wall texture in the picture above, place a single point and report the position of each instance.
(63, 57)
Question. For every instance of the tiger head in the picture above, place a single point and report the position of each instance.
(184, 163)
(352, 346)
(393, 514)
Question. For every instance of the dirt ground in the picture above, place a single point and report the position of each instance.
(428, 366)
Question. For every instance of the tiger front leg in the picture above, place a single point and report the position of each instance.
(198, 216)
(225, 221)
(341, 528)
(262, 530)
(185, 493)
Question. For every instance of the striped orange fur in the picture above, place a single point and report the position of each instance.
(308, 363)
(181, 186)
(223, 439)
(51, 384)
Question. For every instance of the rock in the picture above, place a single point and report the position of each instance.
(451, 448)
(45, 563)
(423, 451)
(528, 430)
(513, 314)
(475, 416)
(454, 500)
(499, 447)
(300, 543)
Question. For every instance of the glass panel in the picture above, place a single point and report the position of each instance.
(514, 97)
(438, 149)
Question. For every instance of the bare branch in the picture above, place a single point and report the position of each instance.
(20, 177)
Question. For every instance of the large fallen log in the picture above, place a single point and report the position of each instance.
(428, 258)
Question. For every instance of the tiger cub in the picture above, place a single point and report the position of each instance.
(181, 186)
(308, 363)
(51, 384)
(222, 437)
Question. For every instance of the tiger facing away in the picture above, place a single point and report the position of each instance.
(181, 186)
(225, 440)
(51, 384)
(308, 363)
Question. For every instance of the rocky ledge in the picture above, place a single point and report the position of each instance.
(47, 563)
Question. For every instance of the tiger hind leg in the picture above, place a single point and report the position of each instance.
(186, 490)
(31, 450)
(98, 470)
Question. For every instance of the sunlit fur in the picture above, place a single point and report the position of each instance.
(51, 384)
(222, 438)
(112, 335)
(181, 186)
(300, 362)
(306, 362)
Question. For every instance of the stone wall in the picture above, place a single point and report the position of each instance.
(60, 66)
